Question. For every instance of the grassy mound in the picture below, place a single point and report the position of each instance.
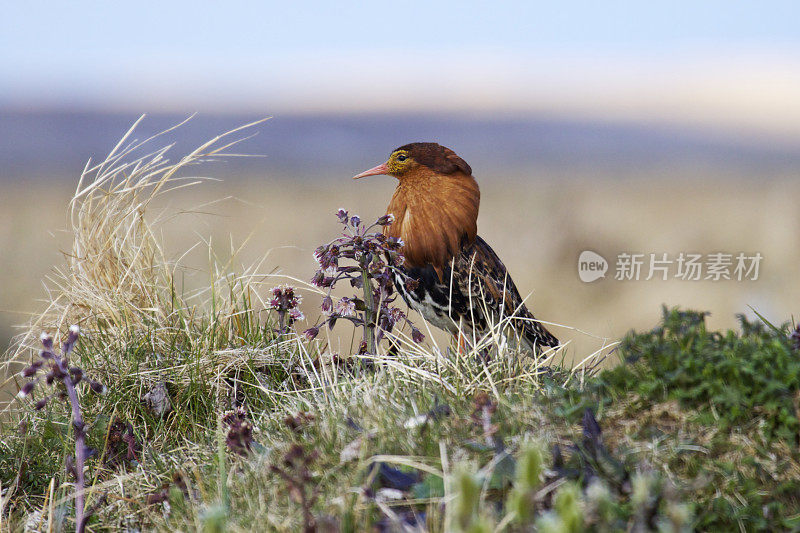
(381, 450)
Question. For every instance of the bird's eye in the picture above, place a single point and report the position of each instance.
(401, 158)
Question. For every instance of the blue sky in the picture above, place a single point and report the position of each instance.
(62, 31)
(567, 56)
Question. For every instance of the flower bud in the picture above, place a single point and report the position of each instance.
(72, 338)
(76, 373)
(311, 333)
(385, 220)
(47, 341)
(98, 388)
(26, 389)
(319, 252)
(74, 333)
(31, 370)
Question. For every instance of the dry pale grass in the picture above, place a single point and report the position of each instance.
(119, 281)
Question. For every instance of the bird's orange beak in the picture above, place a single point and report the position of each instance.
(374, 171)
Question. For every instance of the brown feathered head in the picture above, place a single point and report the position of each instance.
(435, 205)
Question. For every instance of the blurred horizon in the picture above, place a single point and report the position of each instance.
(55, 145)
(728, 69)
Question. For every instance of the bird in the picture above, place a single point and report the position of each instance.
(449, 274)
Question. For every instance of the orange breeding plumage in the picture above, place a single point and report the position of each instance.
(459, 282)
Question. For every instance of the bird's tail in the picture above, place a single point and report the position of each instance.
(535, 335)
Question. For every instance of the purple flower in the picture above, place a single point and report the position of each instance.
(311, 333)
(394, 243)
(26, 389)
(285, 298)
(33, 369)
(346, 307)
(386, 220)
(296, 314)
(327, 304)
(72, 338)
(395, 315)
(47, 341)
(364, 256)
(76, 373)
(377, 266)
(319, 253)
(98, 388)
(417, 335)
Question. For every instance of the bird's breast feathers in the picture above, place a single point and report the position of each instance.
(434, 218)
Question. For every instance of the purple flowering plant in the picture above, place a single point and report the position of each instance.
(367, 260)
(286, 301)
(59, 371)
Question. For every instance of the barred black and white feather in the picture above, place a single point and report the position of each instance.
(475, 294)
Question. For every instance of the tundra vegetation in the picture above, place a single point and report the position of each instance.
(224, 408)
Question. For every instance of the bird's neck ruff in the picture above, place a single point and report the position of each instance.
(435, 214)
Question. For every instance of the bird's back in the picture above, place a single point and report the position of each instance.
(475, 292)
